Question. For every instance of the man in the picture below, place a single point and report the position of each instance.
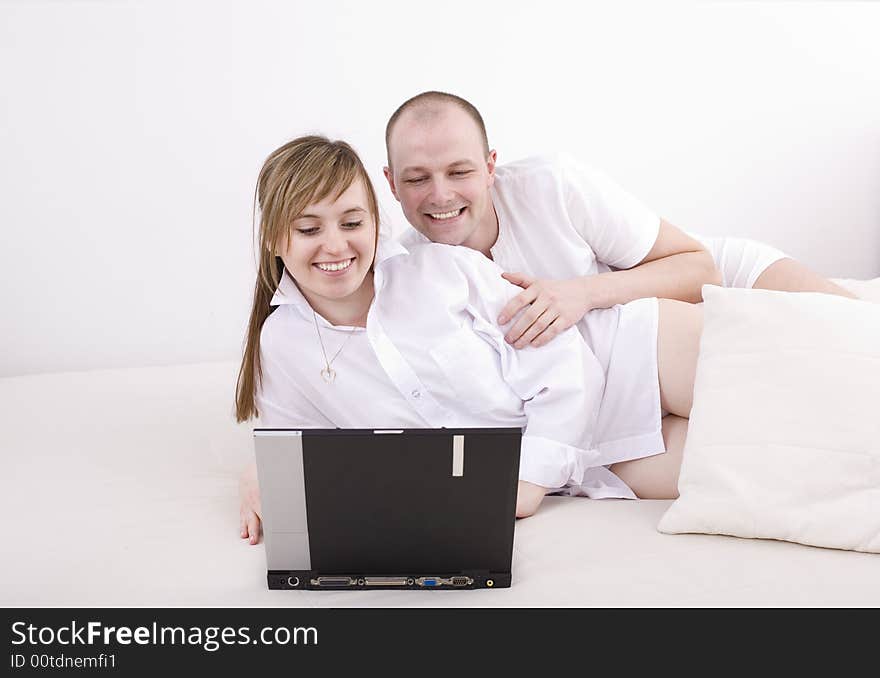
(574, 241)
(565, 233)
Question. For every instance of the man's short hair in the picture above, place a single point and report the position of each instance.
(429, 103)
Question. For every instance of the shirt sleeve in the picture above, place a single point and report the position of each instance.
(561, 384)
(618, 228)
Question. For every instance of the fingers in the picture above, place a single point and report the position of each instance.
(515, 305)
(249, 524)
(520, 279)
(253, 527)
(537, 328)
(550, 333)
(525, 321)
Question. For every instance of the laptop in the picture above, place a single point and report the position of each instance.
(388, 509)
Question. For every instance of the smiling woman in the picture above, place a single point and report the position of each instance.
(303, 232)
(349, 331)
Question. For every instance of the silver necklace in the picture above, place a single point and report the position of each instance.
(328, 374)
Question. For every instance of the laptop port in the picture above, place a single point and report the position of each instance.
(435, 582)
(386, 581)
(334, 581)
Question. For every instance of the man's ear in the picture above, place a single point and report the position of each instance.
(389, 175)
(490, 165)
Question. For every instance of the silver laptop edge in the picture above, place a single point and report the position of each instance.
(282, 482)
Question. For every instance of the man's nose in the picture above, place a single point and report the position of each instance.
(441, 193)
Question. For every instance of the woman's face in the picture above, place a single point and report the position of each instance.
(331, 246)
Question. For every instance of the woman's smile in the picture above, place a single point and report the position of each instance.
(334, 269)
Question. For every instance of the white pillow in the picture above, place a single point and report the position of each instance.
(784, 435)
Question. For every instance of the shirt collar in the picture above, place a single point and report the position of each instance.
(288, 293)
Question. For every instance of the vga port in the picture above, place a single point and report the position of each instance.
(436, 582)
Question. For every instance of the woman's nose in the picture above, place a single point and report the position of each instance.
(335, 241)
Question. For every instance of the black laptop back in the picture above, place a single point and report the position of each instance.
(419, 508)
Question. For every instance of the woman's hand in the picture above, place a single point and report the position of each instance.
(528, 498)
(250, 510)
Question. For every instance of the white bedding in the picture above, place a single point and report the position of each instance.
(119, 487)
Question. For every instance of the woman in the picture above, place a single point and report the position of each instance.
(350, 331)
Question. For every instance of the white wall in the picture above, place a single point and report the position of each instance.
(131, 134)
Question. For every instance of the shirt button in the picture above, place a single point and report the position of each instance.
(416, 393)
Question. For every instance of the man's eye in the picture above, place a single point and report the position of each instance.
(308, 231)
(461, 173)
(415, 180)
(352, 224)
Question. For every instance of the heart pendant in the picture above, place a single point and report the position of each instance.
(329, 374)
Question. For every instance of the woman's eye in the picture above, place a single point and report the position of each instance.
(352, 224)
(307, 231)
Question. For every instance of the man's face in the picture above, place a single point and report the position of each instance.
(441, 175)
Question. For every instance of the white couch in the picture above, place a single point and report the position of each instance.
(120, 488)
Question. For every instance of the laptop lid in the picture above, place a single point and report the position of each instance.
(411, 503)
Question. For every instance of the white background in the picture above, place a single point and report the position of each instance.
(131, 134)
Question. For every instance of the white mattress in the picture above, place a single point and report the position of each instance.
(119, 487)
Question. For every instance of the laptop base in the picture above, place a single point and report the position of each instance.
(314, 581)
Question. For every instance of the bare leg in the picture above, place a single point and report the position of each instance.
(788, 275)
(657, 477)
(678, 345)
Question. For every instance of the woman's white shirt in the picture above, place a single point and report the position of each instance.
(431, 356)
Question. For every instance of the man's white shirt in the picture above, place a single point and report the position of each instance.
(558, 218)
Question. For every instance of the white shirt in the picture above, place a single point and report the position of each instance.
(558, 218)
(433, 356)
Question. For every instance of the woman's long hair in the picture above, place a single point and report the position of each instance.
(300, 173)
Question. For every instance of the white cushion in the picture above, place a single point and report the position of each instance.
(784, 436)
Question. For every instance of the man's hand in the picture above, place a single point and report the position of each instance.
(250, 509)
(553, 306)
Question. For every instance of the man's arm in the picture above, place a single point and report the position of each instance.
(677, 267)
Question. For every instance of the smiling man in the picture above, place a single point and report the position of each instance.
(566, 233)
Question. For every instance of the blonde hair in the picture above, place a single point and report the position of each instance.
(300, 173)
